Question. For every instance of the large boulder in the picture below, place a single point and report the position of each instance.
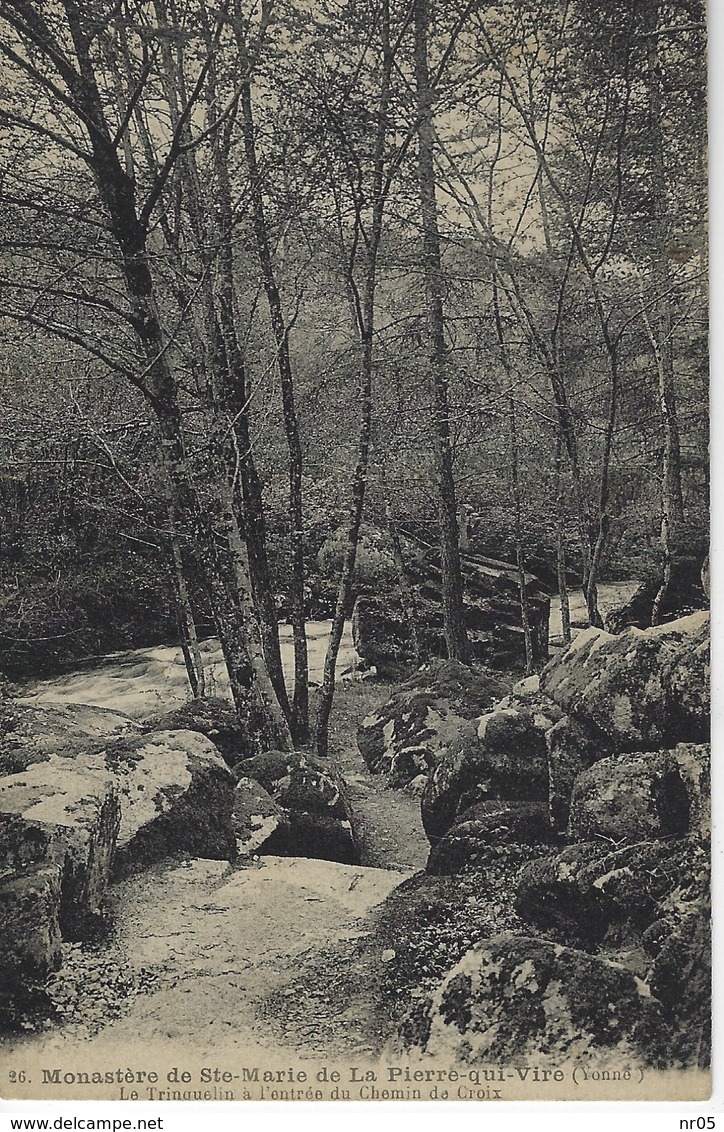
(176, 795)
(313, 796)
(514, 997)
(316, 836)
(173, 788)
(641, 689)
(255, 817)
(31, 734)
(502, 756)
(590, 894)
(681, 980)
(693, 761)
(410, 733)
(629, 798)
(298, 780)
(572, 748)
(487, 825)
(30, 939)
(58, 828)
(58, 813)
(263, 827)
(73, 816)
(238, 731)
(491, 610)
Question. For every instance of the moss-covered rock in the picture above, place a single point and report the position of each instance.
(633, 797)
(318, 818)
(641, 689)
(681, 980)
(255, 817)
(502, 756)
(30, 940)
(298, 780)
(489, 824)
(238, 732)
(410, 733)
(572, 748)
(58, 828)
(588, 895)
(57, 813)
(694, 765)
(30, 734)
(518, 996)
(176, 795)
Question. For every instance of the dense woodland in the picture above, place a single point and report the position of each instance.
(281, 280)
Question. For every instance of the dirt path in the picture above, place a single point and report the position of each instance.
(272, 956)
(388, 821)
(216, 957)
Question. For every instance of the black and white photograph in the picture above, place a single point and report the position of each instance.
(354, 551)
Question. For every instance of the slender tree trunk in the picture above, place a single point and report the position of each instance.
(566, 430)
(514, 477)
(364, 312)
(561, 548)
(407, 592)
(228, 369)
(232, 403)
(117, 193)
(219, 344)
(187, 624)
(300, 710)
(662, 328)
(659, 326)
(604, 520)
(522, 586)
(452, 588)
(669, 516)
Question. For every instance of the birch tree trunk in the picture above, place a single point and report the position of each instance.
(300, 708)
(452, 588)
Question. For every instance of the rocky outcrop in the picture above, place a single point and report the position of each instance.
(632, 797)
(318, 820)
(255, 817)
(501, 756)
(34, 734)
(693, 761)
(590, 895)
(58, 827)
(639, 690)
(409, 734)
(30, 940)
(491, 610)
(487, 825)
(73, 817)
(607, 747)
(173, 788)
(685, 593)
(572, 748)
(518, 996)
(57, 814)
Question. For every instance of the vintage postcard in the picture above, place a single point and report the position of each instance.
(354, 551)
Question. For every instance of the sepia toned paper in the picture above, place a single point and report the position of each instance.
(259, 978)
